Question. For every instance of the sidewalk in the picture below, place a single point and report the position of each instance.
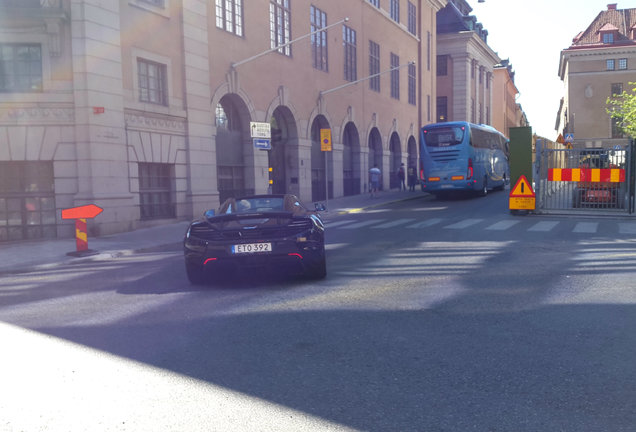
(41, 254)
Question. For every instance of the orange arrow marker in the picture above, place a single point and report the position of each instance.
(82, 212)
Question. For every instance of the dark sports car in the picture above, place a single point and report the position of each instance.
(271, 233)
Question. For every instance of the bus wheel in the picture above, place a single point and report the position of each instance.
(484, 189)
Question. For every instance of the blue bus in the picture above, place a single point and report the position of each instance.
(462, 156)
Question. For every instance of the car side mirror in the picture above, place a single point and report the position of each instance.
(209, 213)
(320, 207)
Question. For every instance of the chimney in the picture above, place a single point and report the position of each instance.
(612, 6)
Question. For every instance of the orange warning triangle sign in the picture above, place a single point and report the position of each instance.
(522, 188)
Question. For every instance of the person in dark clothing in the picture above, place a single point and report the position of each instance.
(401, 176)
(412, 178)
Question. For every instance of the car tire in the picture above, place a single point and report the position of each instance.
(195, 274)
(484, 189)
(319, 270)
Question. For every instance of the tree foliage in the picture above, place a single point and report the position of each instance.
(622, 107)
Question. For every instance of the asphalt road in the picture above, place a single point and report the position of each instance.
(435, 316)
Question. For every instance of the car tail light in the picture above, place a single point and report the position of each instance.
(469, 175)
(421, 170)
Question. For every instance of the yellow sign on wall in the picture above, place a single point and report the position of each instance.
(325, 139)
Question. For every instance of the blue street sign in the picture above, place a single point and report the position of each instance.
(263, 143)
(569, 137)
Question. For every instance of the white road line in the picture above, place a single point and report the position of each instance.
(586, 227)
(543, 226)
(463, 224)
(362, 224)
(427, 223)
(393, 223)
(502, 225)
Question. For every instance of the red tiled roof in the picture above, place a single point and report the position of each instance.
(620, 20)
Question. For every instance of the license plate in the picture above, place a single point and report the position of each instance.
(251, 248)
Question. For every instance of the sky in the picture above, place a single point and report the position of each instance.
(532, 34)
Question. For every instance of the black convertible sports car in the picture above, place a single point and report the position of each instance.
(271, 233)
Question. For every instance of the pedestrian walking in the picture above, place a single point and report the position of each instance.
(412, 178)
(401, 177)
(374, 180)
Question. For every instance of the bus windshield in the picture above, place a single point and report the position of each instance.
(444, 136)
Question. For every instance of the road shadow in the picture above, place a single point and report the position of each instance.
(495, 356)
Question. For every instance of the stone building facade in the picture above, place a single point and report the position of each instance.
(143, 107)
(465, 65)
(600, 63)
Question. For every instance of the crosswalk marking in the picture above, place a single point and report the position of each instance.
(502, 225)
(339, 223)
(627, 228)
(362, 224)
(394, 223)
(463, 224)
(586, 227)
(543, 226)
(427, 223)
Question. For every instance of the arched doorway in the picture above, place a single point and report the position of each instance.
(395, 151)
(284, 135)
(375, 150)
(232, 118)
(412, 152)
(319, 162)
(351, 160)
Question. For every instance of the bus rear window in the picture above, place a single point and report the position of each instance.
(444, 136)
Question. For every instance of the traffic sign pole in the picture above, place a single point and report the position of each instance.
(80, 214)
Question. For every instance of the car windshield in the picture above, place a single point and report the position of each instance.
(444, 136)
(256, 205)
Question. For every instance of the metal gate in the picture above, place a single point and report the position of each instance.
(579, 180)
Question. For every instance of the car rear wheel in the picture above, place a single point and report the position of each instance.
(195, 274)
(319, 270)
(484, 189)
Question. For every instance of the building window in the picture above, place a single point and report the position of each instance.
(395, 10)
(156, 190)
(442, 65)
(27, 200)
(395, 76)
(229, 16)
(608, 38)
(412, 94)
(617, 89)
(158, 3)
(609, 64)
(350, 60)
(374, 66)
(412, 19)
(622, 64)
(318, 20)
(617, 132)
(428, 50)
(20, 68)
(375, 3)
(280, 25)
(152, 82)
(442, 109)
